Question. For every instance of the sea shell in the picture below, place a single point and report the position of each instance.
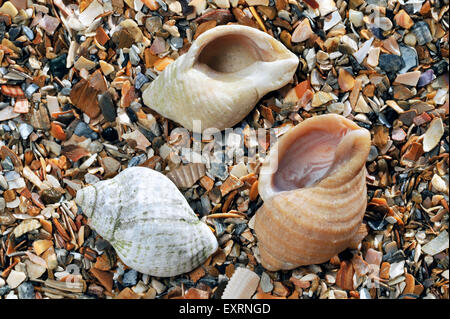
(148, 222)
(315, 199)
(186, 175)
(220, 79)
(242, 284)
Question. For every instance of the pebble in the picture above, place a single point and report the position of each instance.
(422, 32)
(106, 103)
(390, 62)
(397, 269)
(25, 130)
(426, 78)
(26, 291)
(28, 32)
(266, 283)
(4, 290)
(83, 129)
(159, 286)
(410, 59)
(110, 134)
(373, 153)
(15, 278)
(433, 134)
(130, 278)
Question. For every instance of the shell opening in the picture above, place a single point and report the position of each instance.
(309, 159)
(231, 53)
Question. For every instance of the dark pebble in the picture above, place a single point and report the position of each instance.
(26, 291)
(130, 278)
(14, 32)
(390, 62)
(50, 196)
(101, 244)
(377, 32)
(345, 255)
(440, 67)
(377, 224)
(110, 134)
(83, 129)
(131, 114)
(58, 66)
(394, 257)
(239, 229)
(4, 290)
(106, 103)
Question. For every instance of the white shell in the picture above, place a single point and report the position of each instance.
(221, 78)
(242, 284)
(148, 222)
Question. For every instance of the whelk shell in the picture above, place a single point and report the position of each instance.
(315, 200)
(242, 284)
(148, 222)
(220, 79)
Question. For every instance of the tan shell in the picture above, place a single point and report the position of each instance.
(242, 284)
(186, 175)
(226, 71)
(315, 201)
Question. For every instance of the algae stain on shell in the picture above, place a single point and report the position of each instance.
(148, 221)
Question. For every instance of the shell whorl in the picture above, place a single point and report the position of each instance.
(220, 99)
(311, 224)
(148, 222)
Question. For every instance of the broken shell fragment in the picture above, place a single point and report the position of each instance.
(314, 191)
(221, 78)
(242, 284)
(185, 176)
(148, 221)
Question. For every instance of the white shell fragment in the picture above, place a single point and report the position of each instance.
(26, 226)
(226, 71)
(436, 245)
(242, 284)
(433, 134)
(148, 221)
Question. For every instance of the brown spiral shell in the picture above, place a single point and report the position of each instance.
(315, 200)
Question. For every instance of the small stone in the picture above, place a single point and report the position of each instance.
(409, 78)
(159, 286)
(83, 63)
(390, 62)
(14, 33)
(9, 9)
(407, 117)
(83, 129)
(50, 196)
(373, 257)
(266, 283)
(422, 32)
(439, 184)
(106, 67)
(403, 19)
(58, 66)
(433, 134)
(26, 291)
(15, 278)
(130, 278)
(409, 56)
(397, 269)
(426, 78)
(302, 32)
(410, 39)
(345, 80)
(356, 17)
(25, 130)
(107, 106)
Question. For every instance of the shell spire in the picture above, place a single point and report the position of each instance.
(221, 78)
(148, 222)
(315, 201)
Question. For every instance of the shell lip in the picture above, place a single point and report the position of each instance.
(271, 165)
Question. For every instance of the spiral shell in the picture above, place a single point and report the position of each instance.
(315, 200)
(220, 79)
(148, 222)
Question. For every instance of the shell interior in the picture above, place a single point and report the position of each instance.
(308, 160)
(231, 53)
